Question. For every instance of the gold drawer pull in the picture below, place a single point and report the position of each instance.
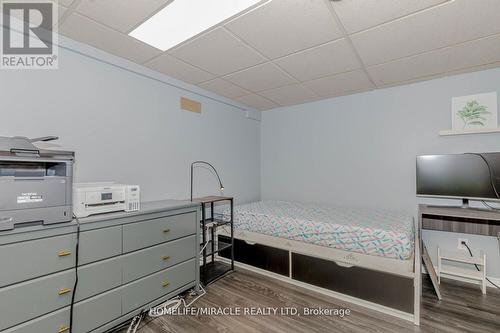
(165, 258)
(63, 329)
(64, 291)
(165, 284)
(166, 231)
(64, 253)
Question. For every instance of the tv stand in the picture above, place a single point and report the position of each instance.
(462, 220)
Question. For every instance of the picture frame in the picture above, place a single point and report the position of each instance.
(472, 112)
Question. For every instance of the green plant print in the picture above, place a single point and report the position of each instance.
(473, 113)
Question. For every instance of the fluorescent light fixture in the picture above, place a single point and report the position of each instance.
(184, 19)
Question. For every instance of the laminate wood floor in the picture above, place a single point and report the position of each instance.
(463, 309)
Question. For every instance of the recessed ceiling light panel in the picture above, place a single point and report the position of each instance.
(184, 19)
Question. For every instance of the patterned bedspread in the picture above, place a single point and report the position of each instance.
(367, 231)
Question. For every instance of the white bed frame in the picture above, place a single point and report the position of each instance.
(410, 268)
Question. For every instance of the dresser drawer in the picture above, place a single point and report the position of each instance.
(100, 244)
(152, 232)
(88, 315)
(153, 259)
(157, 285)
(28, 260)
(99, 277)
(54, 322)
(97, 311)
(21, 302)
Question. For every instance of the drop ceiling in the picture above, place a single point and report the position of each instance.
(287, 52)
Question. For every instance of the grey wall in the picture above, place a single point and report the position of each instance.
(127, 127)
(360, 149)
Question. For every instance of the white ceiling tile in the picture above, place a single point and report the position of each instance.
(477, 52)
(119, 14)
(218, 52)
(281, 27)
(224, 88)
(444, 25)
(475, 68)
(34, 19)
(289, 95)
(327, 59)
(261, 77)
(256, 101)
(422, 65)
(65, 3)
(87, 31)
(475, 19)
(418, 33)
(178, 69)
(340, 84)
(357, 15)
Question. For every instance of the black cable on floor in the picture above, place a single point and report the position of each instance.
(71, 309)
(478, 269)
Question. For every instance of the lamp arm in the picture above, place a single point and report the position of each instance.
(211, 166)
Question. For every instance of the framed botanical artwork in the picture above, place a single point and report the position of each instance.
(474, 112)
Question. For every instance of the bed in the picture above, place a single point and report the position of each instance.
(366, 255)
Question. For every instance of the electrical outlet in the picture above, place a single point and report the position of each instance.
(460, 245)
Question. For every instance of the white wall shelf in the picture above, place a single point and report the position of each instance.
(469, 131)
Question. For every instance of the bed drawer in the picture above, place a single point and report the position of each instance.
(31, 259)
(144, 262)
(261, 256)
(157, 285)
(152, 232)
(375, 286)
(88, 315)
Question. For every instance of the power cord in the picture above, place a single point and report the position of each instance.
(489, 206)
(475, 265)
(157, 311)
(71, 311)
(492, 182)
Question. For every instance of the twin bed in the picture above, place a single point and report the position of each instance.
(366, 256)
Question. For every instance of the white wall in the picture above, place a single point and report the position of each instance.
(360, 149)
(127, 127)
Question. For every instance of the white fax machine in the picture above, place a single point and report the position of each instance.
(98, 198)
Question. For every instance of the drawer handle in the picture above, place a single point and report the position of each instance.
(64, 253)
(166, 231)
(63, 328)
(64, 291)
(165, 284)
(165, 258)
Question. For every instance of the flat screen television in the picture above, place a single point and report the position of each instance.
(464, 176)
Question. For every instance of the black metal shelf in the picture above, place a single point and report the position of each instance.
(220, 222)
(218, 247)
(213, 269)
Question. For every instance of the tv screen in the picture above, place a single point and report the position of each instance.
(471, 176)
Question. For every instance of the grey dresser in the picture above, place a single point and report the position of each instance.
(127, 262)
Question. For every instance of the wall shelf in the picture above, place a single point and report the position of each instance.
(469, 131)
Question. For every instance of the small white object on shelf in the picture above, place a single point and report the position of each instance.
(469, 131)
(469, 273)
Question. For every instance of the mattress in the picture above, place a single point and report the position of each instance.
(366, 231)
